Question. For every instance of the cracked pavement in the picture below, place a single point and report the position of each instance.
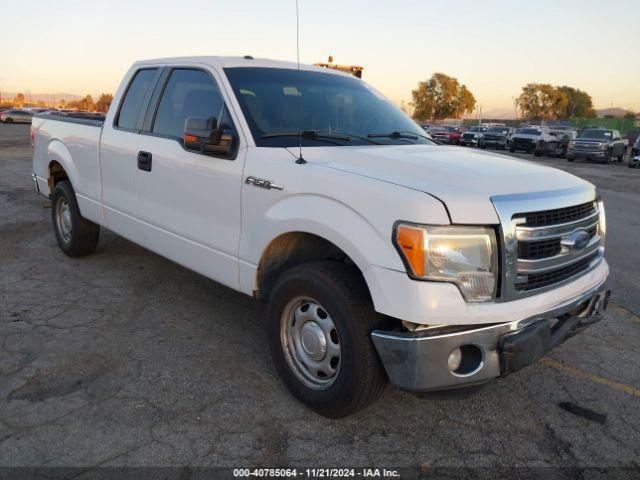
(124, 358)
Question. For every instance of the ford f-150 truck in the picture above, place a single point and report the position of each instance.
(381, 255)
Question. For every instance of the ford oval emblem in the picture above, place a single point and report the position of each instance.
(577, 240)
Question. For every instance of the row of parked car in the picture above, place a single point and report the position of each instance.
(591, 143)
(24, 115)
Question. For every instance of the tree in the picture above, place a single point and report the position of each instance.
(85, 103)
(539, 101)
(19, 100)
(579, 103)
(102, 105)
(630, 115)
(441, 97)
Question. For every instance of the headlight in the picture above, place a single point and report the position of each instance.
(602, 222)
(603, 146)
(466, 256)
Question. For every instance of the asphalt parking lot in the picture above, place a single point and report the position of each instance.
(124, 358)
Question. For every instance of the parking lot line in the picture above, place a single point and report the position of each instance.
(575, 372)
(623, 312)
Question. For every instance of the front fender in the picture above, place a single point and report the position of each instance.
(334, 221)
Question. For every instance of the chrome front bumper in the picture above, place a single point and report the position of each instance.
(586, 154)
(418, 361)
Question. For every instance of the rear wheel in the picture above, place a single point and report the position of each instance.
(319, 323)
(8, 120)
(76, 235)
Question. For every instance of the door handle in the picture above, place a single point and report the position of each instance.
(144, 161)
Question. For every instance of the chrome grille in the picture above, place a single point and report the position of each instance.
(558, 215)
(586, 146)
(550, 241)
(544, 279)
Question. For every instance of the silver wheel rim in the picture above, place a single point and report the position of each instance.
(310, 343)
(63, 219)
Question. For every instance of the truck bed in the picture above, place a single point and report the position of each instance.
(74, 143)
(72, 118)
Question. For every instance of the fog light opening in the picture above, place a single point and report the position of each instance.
(465, 360)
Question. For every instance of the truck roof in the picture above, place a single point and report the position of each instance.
(230, 62)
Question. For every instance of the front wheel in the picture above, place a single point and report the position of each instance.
(76, 235)
(319, 323)
(8, 120)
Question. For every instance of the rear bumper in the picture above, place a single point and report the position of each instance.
(418, 361)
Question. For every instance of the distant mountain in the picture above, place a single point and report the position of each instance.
(614, 112)
(42, 97)
(502, 113)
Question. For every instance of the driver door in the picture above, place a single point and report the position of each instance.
(189, 202)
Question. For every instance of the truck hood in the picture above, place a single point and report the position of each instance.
(463, 179)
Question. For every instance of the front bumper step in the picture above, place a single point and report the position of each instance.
(419, 361)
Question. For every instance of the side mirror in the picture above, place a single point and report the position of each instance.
(204, 136)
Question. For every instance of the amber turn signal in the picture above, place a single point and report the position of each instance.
(411, 241)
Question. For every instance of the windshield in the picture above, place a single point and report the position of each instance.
(530, 131)
(498, 129)
(334, 109)
(603, 134)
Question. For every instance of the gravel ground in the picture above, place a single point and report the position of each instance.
(124, 358)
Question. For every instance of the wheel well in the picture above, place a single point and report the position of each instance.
(56, 174)
(289, 250)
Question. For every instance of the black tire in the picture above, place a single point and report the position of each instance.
(537, 153)
(340, 290)
(8, 120)
(512, 150)
(82, 239)
(570, 159)
(607, 158)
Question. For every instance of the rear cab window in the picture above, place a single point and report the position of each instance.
(134, 103)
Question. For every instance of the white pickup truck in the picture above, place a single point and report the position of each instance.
(381, 255)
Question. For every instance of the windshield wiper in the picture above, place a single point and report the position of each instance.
(307, 134)
(319, 136)
(405, 134)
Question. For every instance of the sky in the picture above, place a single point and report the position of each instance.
(493, 47)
